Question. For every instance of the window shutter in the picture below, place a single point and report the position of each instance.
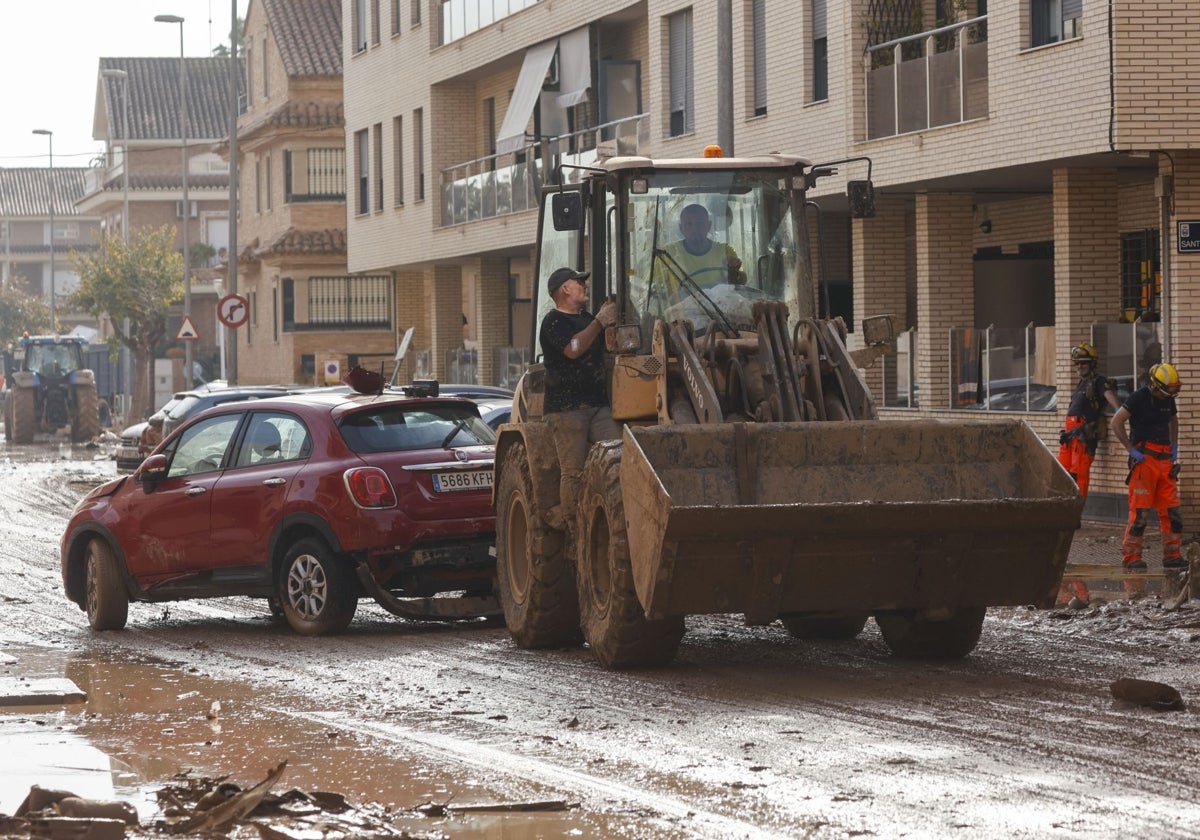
(819, 19)
(1072, 9)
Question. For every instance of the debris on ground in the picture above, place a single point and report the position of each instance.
(1154, 695)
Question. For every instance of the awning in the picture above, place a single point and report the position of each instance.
(525, 95)
(574, 68)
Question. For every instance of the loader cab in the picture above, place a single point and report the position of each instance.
(625, 223)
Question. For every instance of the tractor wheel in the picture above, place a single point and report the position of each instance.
(23, 416)
(87, 414)
(316, 590)
(824, 625)
(533, 574)
(913, 636)
(614, 622)
(106, 600)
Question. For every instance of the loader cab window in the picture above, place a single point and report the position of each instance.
(558, 248)
(686, 232)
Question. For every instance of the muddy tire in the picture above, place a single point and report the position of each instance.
(614, 623)
(911, 636)
(23, 416)
(317, 592)
(105, 598)
(87, 416)
(824, 625)
(533, 573)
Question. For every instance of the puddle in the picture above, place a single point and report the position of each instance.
(144, 722)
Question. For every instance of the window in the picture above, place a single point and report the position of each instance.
(375, 22)
(419, 153)
(395, 9)
(377, 162)
(679, 48)
(820, 53)
(273, 438)
(359, 25)
(1140, 272)
(398, 160)
(362, 301)
(257, 186)
(361, 149)
(489, 129)
(249, 74)
(416, 12)
(289, 304)
(267, 191)
(275, 314)
(1051, 21)
(265, 74)
(758, 28)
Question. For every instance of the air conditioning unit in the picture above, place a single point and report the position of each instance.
(193, 210)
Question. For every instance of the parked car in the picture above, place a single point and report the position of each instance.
(309, 501)
(138, 440)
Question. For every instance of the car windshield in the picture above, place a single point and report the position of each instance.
(181, 409)
(399, 428)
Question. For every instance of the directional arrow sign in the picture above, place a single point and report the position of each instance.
(233, 310)
(187, 330)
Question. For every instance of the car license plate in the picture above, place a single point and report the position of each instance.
(447, 482)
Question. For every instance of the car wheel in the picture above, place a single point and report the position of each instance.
(911, 635)
(614, 622)
(316, 590)
(824, 625)
(106, 599)
(533, 574)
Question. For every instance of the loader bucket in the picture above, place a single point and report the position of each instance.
(772, 518)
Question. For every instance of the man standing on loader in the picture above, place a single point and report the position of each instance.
(576, 403)
(1153, 446)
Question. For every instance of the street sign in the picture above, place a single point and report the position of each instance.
(333, 371)
(233, 310)
(187, 330)
(1188, 241)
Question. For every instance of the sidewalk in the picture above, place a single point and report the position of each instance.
(1096, 548)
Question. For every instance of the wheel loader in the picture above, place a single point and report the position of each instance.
(753, 475)
(48, 387)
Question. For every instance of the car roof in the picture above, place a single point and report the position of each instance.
(336, 404)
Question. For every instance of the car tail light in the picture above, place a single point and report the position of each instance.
(369, 487)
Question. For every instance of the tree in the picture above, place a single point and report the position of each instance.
(222, 50)
(137, 282)
(21, 312)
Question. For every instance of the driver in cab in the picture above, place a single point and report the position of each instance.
(708, 263)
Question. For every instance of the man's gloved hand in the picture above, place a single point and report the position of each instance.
(1174, 473)
(607, 316)
(1063, 437)
(1136, 455)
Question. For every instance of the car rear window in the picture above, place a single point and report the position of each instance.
(400, 428)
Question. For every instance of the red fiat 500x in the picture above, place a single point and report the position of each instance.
(309, 501)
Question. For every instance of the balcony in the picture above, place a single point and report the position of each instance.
(499, 185)
(930, 79)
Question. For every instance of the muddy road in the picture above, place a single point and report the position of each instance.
(749, 734)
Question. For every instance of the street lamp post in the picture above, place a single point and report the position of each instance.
(50, 137)
(183, 132)
(123, 77)
(230, 340)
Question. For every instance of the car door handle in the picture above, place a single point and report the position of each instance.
(274, 482)
(195, 491)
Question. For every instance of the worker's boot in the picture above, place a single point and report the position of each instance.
(1135, 583)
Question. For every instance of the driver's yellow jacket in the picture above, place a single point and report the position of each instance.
(706, 269)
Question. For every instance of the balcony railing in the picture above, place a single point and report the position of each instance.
(498, 185)
(930, 79)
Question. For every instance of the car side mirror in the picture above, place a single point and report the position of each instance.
(861, 195)
(151, 471)
(567, 210)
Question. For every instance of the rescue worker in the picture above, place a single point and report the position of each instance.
(1085, 415)
(1153, 446)
(576, 402)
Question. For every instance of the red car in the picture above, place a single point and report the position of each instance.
(310, 501)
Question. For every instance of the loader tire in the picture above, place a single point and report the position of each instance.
(614, 622)
(87, 414)
(23, 416)
(824, 625)
(913, 636)
(533, 572)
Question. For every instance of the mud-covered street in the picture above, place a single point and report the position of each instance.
(750, 733)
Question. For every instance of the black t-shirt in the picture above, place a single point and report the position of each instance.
(571, 383)
(1088, 400)
(1149, 417)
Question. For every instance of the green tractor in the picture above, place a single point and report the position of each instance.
(49, 388)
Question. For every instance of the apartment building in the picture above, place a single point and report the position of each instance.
(310, 320)
(138, 117)
(37, 214)
(1035, 163)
